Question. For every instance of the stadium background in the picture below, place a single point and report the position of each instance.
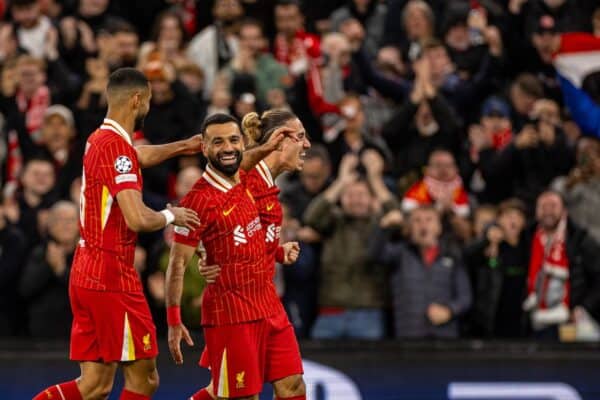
(389, 82)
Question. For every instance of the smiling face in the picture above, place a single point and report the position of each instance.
(223, 146)
(294, 146)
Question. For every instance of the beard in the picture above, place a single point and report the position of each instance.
(139, 123)
(229, 170)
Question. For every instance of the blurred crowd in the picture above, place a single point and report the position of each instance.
(448, 193)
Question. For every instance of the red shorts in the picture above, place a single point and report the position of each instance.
(111, 326)
(243, 356)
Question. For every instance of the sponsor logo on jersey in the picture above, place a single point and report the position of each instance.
(238, 236)
(227, 212)
(270, 206)
(273, 232)
(239, 380)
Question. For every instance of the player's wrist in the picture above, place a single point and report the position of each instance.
(169, 216)
(173, 315)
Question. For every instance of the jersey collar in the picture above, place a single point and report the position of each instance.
(215, 180)
(116, 128)
(265, 173)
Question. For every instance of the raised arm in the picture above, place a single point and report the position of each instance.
(140, 218)
(178, 260)
(151, 155)
(254, 155)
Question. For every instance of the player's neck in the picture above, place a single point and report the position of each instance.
(275, 167)
(122, 118)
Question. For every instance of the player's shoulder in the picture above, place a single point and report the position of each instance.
(201, 193)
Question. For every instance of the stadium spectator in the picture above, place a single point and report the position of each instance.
(313, 179)
(581, 187)
(174, 114)
(441, 187)
(300, 281)
(499, 263)
(524, 91)
(492, 134)
(34, 199)
(418, 22)
(537, 154)
(351, 295)
(564, 270)
(13, 250)
(424, 122)
(349, 136)
(192, 77)
(44, 281)
(430, 287)
(32, 27)
(169, 38)
(217, 44)
(252, 59)
(370, 13)
(123, 45)
(58, 135)
(91, 106)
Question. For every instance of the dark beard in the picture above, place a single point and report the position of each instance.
(227, 170)
(139, 123)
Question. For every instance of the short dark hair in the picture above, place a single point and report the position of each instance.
(22, 3)
(530, 85)
(126, 78)
(218, 119)
(121, 27)
(318, 151)
(287, 3)
(155, 33)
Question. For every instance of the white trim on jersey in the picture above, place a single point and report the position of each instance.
(265, 173)
(215, 180)
(117, 128)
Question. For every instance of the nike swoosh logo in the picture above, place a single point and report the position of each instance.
(227, 212)
(270, 206)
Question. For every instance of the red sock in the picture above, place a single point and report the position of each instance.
(127, 395)
(66, 391)
(201, 394)
(303, 397)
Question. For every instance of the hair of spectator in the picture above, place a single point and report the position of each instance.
(59, 205)
(439, 150)
(38, 158)
(155, 33)
(530, 85)
(249, 21)
(218, 119)
(425, 207)
(22, 3)
(124, 80)
(426, 8)
(258, 129)
(512, 204)
(121, 27)
(27, 59)
(190, 68)
(318, 151)
(286, 3)
(431, 43)
(552, 192)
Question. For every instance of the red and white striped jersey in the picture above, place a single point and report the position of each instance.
(104, 257)
(232, 234)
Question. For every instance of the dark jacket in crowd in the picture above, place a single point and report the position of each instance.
(499, 288)
(12, 252)
(525, 173)
(415, 286)
(47, 296)
(175, 120)
(347, 279)
(410, 149)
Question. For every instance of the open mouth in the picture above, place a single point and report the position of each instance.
(228, 159)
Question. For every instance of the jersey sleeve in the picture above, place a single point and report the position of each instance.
(187, 236)
(120, 169)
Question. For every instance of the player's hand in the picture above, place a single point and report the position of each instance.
(176, 333)
(209, 272)
(438, 314)
(184, 217)
(291, 251)
(274, 142)
(193, 145)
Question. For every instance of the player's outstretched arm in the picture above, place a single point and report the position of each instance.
(140, 218)
(254, 155)
(151, 155)
(178, 260)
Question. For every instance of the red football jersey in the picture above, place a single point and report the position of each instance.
(266, 194)
(232, 235)
(104, 257)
